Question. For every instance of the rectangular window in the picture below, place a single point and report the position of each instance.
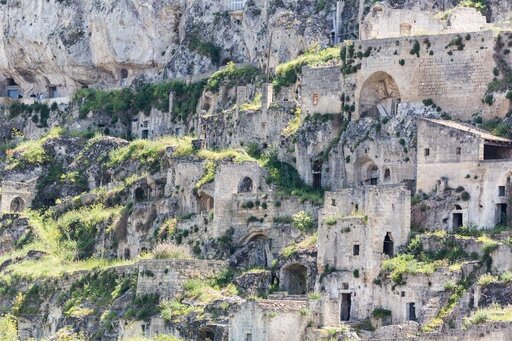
(237, 5)
(248, 337)
(356, 250)
(458, 151)
(501, 190)
(427, 152)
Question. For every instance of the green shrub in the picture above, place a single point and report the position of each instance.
(380, 313)
(232, 75)
(303, 221)
(8, 328)
(287, 74)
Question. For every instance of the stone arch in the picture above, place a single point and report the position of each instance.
(366, 172)
(17, 204)
(379, 96)
(295, 279)
(246, 185)
(253, 236)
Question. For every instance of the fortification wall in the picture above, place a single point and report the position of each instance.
(167, 276)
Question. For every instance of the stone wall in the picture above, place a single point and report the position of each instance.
(456, 80)
(321, 90)
(167, 276)
(385, 22)
(269, 320)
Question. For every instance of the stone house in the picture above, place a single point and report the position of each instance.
(475, 163)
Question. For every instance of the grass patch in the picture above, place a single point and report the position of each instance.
(287, 73)
(492, 313)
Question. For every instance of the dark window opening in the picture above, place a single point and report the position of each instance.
(248, 337)
(387, 175)
(411, 311)
(457, 220)
(427, 152)
(346, 302)
(139, 194)
(356, 250)
(501, 214)
(52, 92)
(497, 152)
(11, 82)
(145, 134)
(124, 73)
(458, 151)
(388, 245)
(246, 185)
(333, 202)
(501, 190)
(127, 253)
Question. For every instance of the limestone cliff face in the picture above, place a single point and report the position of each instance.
(74, 43)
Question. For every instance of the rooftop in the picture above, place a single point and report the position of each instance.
(483, 134)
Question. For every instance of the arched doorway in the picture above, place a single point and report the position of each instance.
(246, 185)
(17, 204)
(295, 279)
(379, 96)
(388, 245)
(366, 172)
(206, 334)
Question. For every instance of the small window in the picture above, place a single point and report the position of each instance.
(501, 190)
(458, 151)
(427, 152)
(316, 98)
(248, 337)
(333, 202)
(356, 250)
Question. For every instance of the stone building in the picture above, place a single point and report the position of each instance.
(17, 196)
(475, 163)
(359, 228)
(384, 21)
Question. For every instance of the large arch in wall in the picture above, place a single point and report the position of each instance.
(379, 96)
(366, 172)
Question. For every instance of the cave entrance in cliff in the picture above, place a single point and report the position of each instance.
(346, 304)
(379, 96)
(17, 204)
(317, 174)
(246, 185)
(205, 202)
(206, 334)
(388, 245)
(139, 194)
(295, 279)
(457, 217)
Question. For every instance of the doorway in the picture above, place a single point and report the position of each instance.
(346, 303)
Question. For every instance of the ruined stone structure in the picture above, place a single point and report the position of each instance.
(17, 196)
